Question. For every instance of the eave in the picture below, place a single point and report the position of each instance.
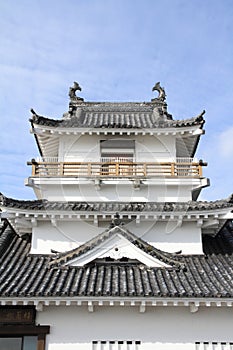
(28, 278)
(201, 212)
(23, 220)
(47, 144)
(93, 304)
(190, 130)
(47, 137)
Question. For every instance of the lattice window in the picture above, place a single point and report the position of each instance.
(116, 345)
(213, 346)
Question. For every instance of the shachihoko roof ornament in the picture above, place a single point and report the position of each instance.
(161, 91)
(72, 92)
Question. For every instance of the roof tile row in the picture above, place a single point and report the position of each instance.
(116, 206)
(25, 275)
(116, 115)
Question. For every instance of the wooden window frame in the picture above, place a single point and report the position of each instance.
(25, 330)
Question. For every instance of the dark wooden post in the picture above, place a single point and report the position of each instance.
(41, 342)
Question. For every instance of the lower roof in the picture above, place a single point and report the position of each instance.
(23, 275)
(76, 206)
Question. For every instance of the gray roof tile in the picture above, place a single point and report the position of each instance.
(168, 258)
(25, 275)
(222, 243)
(117, 115)
(116, 206)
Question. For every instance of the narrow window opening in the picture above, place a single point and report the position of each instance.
(116, 344)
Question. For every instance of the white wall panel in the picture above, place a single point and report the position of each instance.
(159, 328)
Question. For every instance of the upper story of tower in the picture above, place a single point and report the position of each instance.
(117, 152)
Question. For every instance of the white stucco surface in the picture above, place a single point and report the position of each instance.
(73, 328)
(86, 148)
(112, 189)
(66, 235)
(169, 236)
(62, 237)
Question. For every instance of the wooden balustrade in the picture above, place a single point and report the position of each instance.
(116, 169)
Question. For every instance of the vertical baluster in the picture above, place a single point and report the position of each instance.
(33, 169)
(200, 170)
(61, 168)
(117, 169)
(89, 169)
(172, 169)
(144, 169)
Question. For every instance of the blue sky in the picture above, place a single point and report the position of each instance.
(116, 50)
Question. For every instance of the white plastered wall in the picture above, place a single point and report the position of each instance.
(170, 328)
(155, 148)
(67, 235)
(170, 236)
(81, 148)
(62, 237)
(86, 148)
(115, 190)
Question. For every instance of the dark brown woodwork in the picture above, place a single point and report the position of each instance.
(41, 342)
(23, 330)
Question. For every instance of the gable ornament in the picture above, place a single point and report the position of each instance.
(161, 91)
(72, 92)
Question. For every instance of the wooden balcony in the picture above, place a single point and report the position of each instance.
(116, 169)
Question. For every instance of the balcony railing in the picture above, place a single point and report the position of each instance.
(109, 168)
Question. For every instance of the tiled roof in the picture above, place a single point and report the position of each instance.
(116, 206)
(117, 115)
(25, 275)
(222, 243)
(167, 258)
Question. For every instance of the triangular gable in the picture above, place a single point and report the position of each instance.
(116, 243)
(116, 247)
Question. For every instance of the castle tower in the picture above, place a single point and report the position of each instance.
(117, 152)
(116, 252)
